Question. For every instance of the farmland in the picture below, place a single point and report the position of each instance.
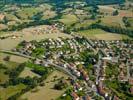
(47, 90)
(10, 91)
(101, 35)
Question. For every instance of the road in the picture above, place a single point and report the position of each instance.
(29, 57)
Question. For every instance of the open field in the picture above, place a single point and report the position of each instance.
(106, 9)
(28, 34)
(13, 61)
(26, 13)
(10, 91)
(27, 72)
(3, 77)
(68, 19)
(85, 23)
(48, 14)
(111, 20)
(101, 35)
(46, 91)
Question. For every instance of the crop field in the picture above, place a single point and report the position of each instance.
(101, 35)
(113, 21)
(46, 91)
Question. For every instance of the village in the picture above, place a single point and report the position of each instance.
(91, 64)
(66, 49)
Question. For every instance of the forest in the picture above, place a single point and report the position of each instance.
(62, 1)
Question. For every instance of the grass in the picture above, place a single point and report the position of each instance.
(27, 72)
(113, 21)
(27, 13)
(5, 93)
(68, 19)
(102, 35)
(85, 23)
(48, 14)
(3, 76)
(46, 91)
(11, 17)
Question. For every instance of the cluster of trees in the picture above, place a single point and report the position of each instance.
(121, 89)
(104, 1)
(63, 1)
(30, 82)
(88, 57)
(60, 85)
(111, 70)
(28, 24)
(126, 22)
(16, 71)
(111, 29)
(115, 13)
(2, 66)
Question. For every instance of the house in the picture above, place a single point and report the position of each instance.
(75, 96)
(131, 90)
(2, 17)
(116, 98)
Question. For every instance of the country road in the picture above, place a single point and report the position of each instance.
(49, 63)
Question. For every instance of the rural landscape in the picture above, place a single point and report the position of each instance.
(66, 49)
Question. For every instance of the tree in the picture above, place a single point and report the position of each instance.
(115, 13)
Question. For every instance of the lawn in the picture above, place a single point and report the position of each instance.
(101, 35)
(46, 91)
(5, 93)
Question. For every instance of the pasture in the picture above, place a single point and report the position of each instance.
(101, 35)
(46, 91)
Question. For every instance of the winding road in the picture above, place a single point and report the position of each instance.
(49, 63)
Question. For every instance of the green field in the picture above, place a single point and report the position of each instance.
(102, 35)
(68, 19)
(3, 76)
(5, 93)
(85, 23)
(27, 13)
(47, 90)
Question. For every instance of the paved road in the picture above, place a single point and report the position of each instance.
(29, 57)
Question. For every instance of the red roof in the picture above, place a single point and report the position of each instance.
(2, 16)
(131, 81)
(131, 89)
(116, 98)
(74, 95)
